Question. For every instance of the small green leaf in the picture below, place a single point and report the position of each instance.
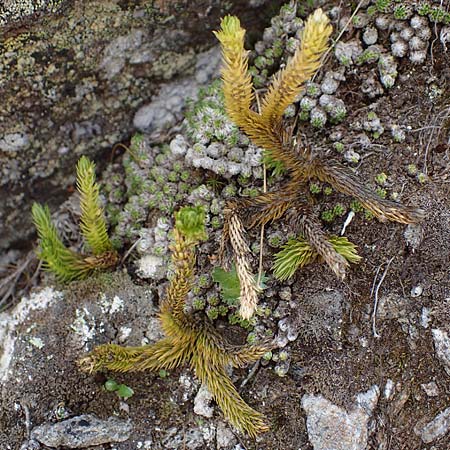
(124, 391)
(163, 373)
(111, 385)
(229, 283)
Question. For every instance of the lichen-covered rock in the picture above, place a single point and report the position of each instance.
(82, 431)
(436, 428)
(331, 427)
(71, 79)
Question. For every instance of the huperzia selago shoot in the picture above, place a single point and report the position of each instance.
(188, 340)
(65, 263)
(265, 128)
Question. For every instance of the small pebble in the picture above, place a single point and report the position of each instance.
(416, 291)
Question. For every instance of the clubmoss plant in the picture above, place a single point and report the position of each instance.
(188, 340)
(266, 130)
(66, 264)
(298, 253)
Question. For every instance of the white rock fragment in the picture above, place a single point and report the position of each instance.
(389, 389)
(416, 291)
(435, 429)
(14, 142)
(431, 389)
(111, 306)
(10, 320)
(331, 427)
(224, 436)
(36, 342)
(413, 235)
(84, 326)
(188, 384)
(202, 402)
(151, 266)
(124, 333)
(178, 145)
(441, 340)
(425, 317)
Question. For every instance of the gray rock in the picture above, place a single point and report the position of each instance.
(435, 429)
(224, 436)
(413, 235)
(82, 431)
(441, 340)
(166, 108)
(431, 389)
(14, 142)
(117, 51)
(202, 402)
(330, 427)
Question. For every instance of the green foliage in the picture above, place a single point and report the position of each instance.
(381, 178)
(298, 253)
(229, 283)
(230, 286)
(400, 12)
(92, 222)
(190, 221)
(186, 339)
(330, 214)
(273, 164)
(383, 5)
(122, 390)
(63, 262)
(345, 248)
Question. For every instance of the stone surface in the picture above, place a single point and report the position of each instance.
(82, 431)
(442, 346)
(72, 78)
(202, 402)
(330, 427)
(435, 429)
